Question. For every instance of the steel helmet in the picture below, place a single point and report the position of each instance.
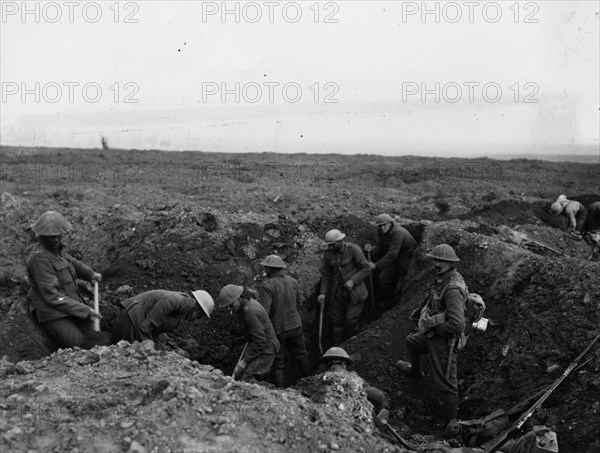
(273, 261)
(336, 353)
(51, 223)
(229, 294)
(556, 208)
(382, 219)
(443, 252)
(334, 236)
(205, 301)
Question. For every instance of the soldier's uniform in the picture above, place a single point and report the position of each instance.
(280, 296)
(392, 253)
(441, 323)
(150, 313)
(262, 340)
(337, 268)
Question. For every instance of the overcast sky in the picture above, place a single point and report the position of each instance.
(346, 76)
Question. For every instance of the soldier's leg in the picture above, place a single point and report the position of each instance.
(355, 303)
(123, 329)
(64, 332)
(296, 347)
(92, 337)
(260, 368)
(388, 277)
(580, 219)
(444, 377)
(402, 265)
(278, 370)
(417, 346)
(338, 319)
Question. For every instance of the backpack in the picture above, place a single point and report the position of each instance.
(474, 308)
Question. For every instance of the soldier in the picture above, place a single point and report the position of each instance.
(280, 296)
(441, 321)
(392, 253)
(592, 222)
(574, 212)
(148, 314)
(344, 268)
(337, 359)
(262, 344)
(55, 300)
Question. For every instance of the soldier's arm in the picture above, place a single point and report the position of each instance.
(265, 297)
(83, 271)
(571, 209)
(392, 253)
(378, 248)
(361, 263)
(454, 323)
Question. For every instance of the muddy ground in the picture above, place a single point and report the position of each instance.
(185, 221)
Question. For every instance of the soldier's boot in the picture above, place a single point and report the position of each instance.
(449, 410)
(338, 335)
(279, 378)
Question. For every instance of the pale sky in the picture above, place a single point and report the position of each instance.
(512, 74)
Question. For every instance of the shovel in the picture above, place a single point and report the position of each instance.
(241, 357)
(372, 289)
(96, 306)
(383, 419)
(321, 327)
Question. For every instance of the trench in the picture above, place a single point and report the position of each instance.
(178, 249)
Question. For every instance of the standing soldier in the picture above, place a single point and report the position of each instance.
(261, 341)
(343, 271)
(392, 253)
(280, 296)
(55, 300)
(441, 322)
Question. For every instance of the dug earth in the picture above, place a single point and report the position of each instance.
(164, 222)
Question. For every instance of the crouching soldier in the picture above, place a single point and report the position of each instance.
(441, 323)
(55, 300)
(574, 212)
(151, 313)
(261, 341)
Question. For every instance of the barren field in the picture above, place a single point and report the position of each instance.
(185, 221)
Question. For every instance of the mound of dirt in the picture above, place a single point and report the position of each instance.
(137, 399)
